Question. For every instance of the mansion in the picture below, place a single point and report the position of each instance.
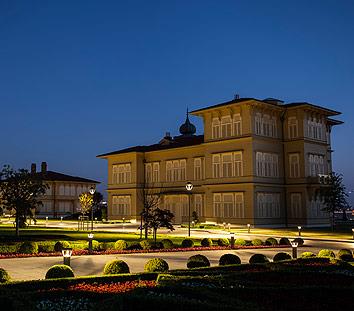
(258, 162)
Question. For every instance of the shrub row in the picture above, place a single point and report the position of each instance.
(343, 254)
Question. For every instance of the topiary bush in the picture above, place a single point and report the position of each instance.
(186, 243)
(206, 242)
(4, 276)
(134, 246)
(326, 253)
(345, 255)
(299, 241)
(223, 242)
(284, 241)
(28, 247)
(120, 245)
(145, 244)
(281, 256)
(156, 265)
(257, 242)
(240, 242)
(167, 243)
(198, 261)
(115, 267)
(229, 259)
(308, 255)
(59, 271)
(46, 247)
(258, 258)
(271, 242)
(60, 245)
(95, 245)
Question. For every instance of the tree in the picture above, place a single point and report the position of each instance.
(97, 205)
(86, 202)
(334, 195)
(20, 191)
(160, 218)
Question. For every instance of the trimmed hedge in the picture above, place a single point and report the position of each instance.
(326, 253)
(145, 244)
(284, 241)
(240, 242)
(258, 258)
(223, 242)
(156, 265)
(271, 242)
(198, 261)
(60, 245)
(281, 256)
(46, 247)
(257, 242)
(206, 242)
(59, 271)
(95, 245)
(308, 255)
(186, 243)
(229, 259)
(345, 255)
(167, 243)
(4, 276)
(115, 267)
(28, 247)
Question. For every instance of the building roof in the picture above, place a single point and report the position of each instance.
(55, 176)
(176, 142)
(234, 101)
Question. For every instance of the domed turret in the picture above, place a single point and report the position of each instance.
(187, 128)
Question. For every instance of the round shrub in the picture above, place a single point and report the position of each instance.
(258, 258)
(271, 242)
(284, 241)
(134, 246)
(95, 245)
(345, 255)
(326, 253)
(223, 242)
(281, 256)
(308, 255)
(167, 243)
(206, 242)
(156, 265)
(229, 259)
(120, 245)
(157, 245)
(186, 243)
(59, 271)
(145, 244)
(28, 248)
(197, 261)
(240, 242)
(60, 245)
(299, 241)
(4, 276)
(116, 267)
(257, 242)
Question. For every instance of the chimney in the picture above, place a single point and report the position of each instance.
(44, 167)
(236, 96)
(168, 135)
(33, 168)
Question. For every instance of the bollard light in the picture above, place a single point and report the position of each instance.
(224, 225)
(90, 238)
(61, 219)
(294, 245)
(299, 230)
(229, 225)
(46, 220)
(67, 252)
(249, 228)
(96, 219)
(232, 240)
(193, 223)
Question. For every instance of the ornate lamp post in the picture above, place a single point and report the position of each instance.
(248, 228)
(90, 238)
(299, 230)
(189, 187)
(67, 252)
(92, 192)
(232, 240)
(294, 245)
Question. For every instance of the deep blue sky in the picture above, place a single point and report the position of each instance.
(80, 78)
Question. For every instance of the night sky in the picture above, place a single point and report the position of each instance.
(81, 78)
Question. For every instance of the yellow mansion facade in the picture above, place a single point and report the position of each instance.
(258, 162)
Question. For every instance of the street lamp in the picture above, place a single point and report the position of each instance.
(92, 192)
(299, 229)
(248, 228)
(189, 187)
(67, 252)
(294, 245)
(90, 238)
(232, 240)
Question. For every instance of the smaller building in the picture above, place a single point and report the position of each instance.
(62, 196)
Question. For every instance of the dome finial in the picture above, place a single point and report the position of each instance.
(187, 128)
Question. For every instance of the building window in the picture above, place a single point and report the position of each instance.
(228, 205)
(315, 208)
(267, 164)
(198, 204)
(121, 205)
(156, 172)
(294, 163)
(295, 205)
(237, 125)
(226, 126)
(176, 170)
(315, 129)
(215, 128)
(265, 125)
(238, 171)
(316, 165)
(198, 169)
(216, 166)
(227, 165)
(268, 205)
(293, 128)
(226, 159)
(152, 172)
(148, 172)
(121, 173)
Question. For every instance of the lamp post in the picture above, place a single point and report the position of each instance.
(248, 228)
(232, 240)
(61, 219)
(46, 221)
(224, 225)
(189, 187)
(299, 230)
(229, 225)
(294, 245)
(67, 252)
(90, 238)
(92, 192)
